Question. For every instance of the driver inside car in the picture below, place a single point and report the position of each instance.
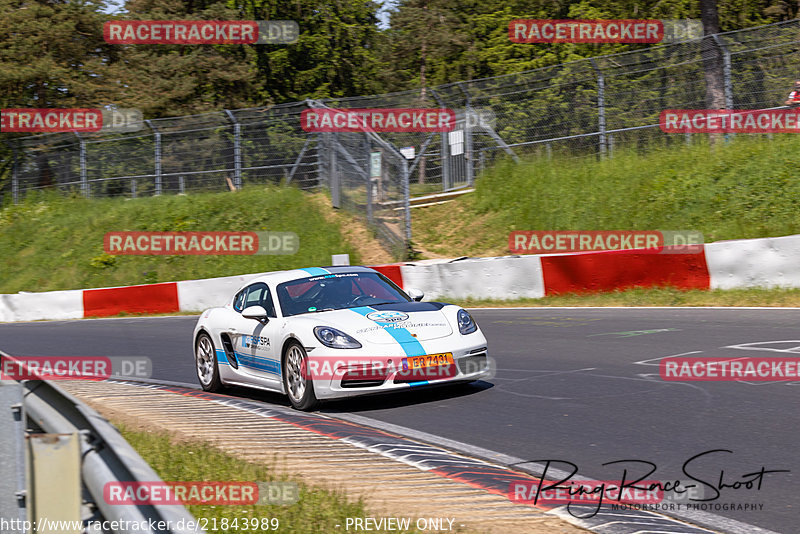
(337, 293)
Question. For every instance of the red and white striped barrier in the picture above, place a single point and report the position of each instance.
(768, 262)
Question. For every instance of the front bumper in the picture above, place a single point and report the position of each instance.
(349, 373)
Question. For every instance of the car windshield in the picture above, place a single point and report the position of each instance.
(337, 291)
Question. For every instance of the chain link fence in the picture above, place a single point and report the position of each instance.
(580, 109)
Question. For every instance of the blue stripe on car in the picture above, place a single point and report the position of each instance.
(269, 365)
(407, 342)
(316, 271)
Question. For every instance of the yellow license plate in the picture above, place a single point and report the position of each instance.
(430, 360)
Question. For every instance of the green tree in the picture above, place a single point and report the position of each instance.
(336, 54)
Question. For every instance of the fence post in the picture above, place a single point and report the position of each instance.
(15, 176)
(298, 160)
(237, 150)
(468, 152)
(445, 152)
(336, 194)
(406, 199)
(601, 106)
(320, 159)
(82, 158)
(368, 154)
(156, 155)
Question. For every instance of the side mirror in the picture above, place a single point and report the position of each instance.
(415, 294)
(255, 312)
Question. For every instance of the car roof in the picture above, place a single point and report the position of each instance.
(278, 277)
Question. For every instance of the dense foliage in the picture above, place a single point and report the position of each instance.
(52, 52)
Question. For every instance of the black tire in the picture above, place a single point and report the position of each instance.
(297, 383)
(205, 363)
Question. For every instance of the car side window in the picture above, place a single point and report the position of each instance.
(238, 300)
(259, 295)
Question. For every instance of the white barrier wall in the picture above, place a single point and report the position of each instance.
(53, 305)
(480, 278)
(198, 295)
(767, 262)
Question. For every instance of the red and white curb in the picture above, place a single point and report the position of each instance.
(767, 262)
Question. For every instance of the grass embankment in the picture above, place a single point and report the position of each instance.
(50, 242)
(747, 188)
(317, 510)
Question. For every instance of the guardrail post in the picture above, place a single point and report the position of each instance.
(237, 150)
(13, 501)
(156, 155)
(601, 106)
(54, 481)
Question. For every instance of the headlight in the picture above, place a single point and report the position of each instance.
(465, 323)
(336, 339)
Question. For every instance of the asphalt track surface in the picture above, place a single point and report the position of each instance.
(576, 385)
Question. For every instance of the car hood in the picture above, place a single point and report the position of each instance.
(390, 323)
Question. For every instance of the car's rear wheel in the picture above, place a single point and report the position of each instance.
(205, 357)
(296, 378)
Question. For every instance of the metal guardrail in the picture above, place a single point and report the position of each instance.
(105, 457)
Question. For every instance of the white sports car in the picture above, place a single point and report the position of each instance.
(317, 334)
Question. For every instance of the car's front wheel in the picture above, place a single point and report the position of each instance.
(296, 378)
(205, 357)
